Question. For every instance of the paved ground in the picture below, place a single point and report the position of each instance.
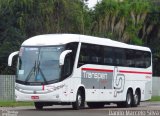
(145, 109)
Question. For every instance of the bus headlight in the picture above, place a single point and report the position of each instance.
(54, 88)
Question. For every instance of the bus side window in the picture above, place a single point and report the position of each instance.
(147, 59)
(83, 56)
(67, 68)
(139, 59)
(108, 56)
(83, 59)
(130, 58)
(95, 54)
(119, 57)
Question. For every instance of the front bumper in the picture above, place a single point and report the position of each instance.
(52, 97)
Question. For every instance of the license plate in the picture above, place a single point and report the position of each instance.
(34, 97)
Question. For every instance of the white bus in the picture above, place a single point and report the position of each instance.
(79, 69)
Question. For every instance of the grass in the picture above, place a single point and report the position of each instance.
(14, 103)
(155, 98)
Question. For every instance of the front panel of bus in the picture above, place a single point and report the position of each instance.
(39, 72)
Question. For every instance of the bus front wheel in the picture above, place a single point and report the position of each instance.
(38, 105)
(79, 103)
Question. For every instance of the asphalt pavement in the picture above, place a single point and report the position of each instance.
(145, 109)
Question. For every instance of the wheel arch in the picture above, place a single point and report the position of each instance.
(130, 89)
(82, 89)
(80, 99)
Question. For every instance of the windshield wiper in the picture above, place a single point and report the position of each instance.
(35, 69)
(31, 72)
(40, 70)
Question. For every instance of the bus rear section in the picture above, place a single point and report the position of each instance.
(112, 74)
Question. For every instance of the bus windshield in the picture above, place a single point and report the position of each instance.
(39, 65)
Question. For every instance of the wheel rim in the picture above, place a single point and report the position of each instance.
(128, 99)
(79, 100)
(136, 98)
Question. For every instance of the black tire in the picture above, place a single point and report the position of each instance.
(136, 99)
(38, 105)
(80, 101)
(128, 102)
(129, 99)
(95, 104)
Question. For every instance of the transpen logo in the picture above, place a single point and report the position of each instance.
(94, 75)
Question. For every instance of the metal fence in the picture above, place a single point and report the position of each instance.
(156, 86)
(7, 87)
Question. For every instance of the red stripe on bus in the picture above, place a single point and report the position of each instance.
(135, 72)
(122, 71)
(100, 70)
(42, 87)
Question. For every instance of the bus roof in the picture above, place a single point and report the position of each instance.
(60, 39)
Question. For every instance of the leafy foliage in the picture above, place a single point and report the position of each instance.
(121, 21)
(130, 21)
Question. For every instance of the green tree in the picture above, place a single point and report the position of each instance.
(21, 19)
(121, 21)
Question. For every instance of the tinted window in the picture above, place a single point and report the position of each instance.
(108, 56)
(130, 56)
(142, 59)
(67, 68)
(90, 54)
(119, 56)
(95, 53)
(84, 57)
(147, 59)
(105, 55)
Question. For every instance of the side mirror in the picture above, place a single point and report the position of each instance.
(62, 56)
(11, 57)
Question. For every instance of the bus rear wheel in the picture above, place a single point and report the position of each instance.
(38, 105)
(129, 99)
(136, 99)
(128, 102)
(80, 101)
